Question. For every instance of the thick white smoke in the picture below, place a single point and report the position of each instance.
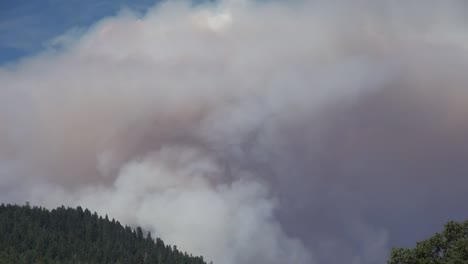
(249, 132)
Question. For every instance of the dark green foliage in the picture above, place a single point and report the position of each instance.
(448, 247)
(67, 235)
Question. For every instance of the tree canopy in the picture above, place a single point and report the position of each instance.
(448, 247)
(73, 235)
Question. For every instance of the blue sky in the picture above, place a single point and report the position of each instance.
(27, 25)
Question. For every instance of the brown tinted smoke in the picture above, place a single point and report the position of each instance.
(273, 132)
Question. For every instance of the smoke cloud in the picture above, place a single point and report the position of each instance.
(251, 132)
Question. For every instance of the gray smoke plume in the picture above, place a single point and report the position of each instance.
(251, 132)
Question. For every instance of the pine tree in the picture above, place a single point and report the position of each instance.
(66, 235)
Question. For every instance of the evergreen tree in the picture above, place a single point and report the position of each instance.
(66, 235)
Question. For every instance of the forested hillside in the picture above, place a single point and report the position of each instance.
(67, 235)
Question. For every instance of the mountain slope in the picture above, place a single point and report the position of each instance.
(67, 235)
